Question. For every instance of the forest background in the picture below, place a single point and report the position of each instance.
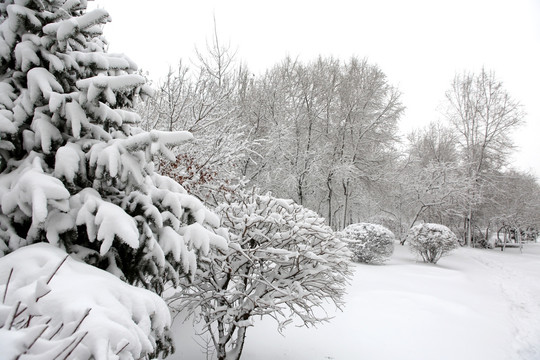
(419, 45)
(356, 139)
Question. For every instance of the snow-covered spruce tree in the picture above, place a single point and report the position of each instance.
(100, 317)
(369, 243)
(75, 171)
(283, 261)
(431, 241)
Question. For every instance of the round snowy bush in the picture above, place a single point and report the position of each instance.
(283, 262)
(369, 243)
(431, 241)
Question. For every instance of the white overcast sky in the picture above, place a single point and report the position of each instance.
(419, 44)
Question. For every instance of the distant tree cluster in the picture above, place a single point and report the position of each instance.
(321, 133)
(452, 175)
(324, 133)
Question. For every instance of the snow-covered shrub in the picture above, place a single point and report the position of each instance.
(283, 261)
(431, 241)
(390, 222)
(76, 171)
(55, 307)
(369, 243)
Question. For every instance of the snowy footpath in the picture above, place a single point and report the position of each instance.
(473, 305)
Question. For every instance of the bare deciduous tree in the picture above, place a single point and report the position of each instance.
(334, 128)
(204, 100)
(483, 114)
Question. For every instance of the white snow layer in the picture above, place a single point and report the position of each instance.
(97, 85)
(119, 321)
(105, 221)
(41, 83)
(475, 304)
(33, 192)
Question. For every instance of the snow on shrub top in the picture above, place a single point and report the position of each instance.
(369, 243)
(74, 171)
(71, 302)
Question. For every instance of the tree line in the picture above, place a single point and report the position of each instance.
(325, 134)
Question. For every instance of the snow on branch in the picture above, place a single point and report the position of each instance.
(32, 191)
(107, 86)
(282, 261)
(105, 222)
(69, 28)
(123, 158)
(41, 83)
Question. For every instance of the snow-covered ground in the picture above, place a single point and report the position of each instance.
(473, 305)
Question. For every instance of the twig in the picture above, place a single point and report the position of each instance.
(56, 270)
(122, 349)
(57, 331)
(36, 339)
(76, 344)
(39, 297)
(14, 315)
(64, 349)
(32, 343)
(7, 285)
(80, 322)
(30, 317)
(20, 312)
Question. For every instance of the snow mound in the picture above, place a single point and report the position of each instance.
(53, 304)
(476, 304)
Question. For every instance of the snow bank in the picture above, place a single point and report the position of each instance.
(476, 304)
(70, 301)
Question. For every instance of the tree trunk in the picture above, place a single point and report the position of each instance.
(469, 227)
(520, 242)
(236, 352)
(221, 344)
(221, 353)
(330, 193)
(300, 191)
(346, 206)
